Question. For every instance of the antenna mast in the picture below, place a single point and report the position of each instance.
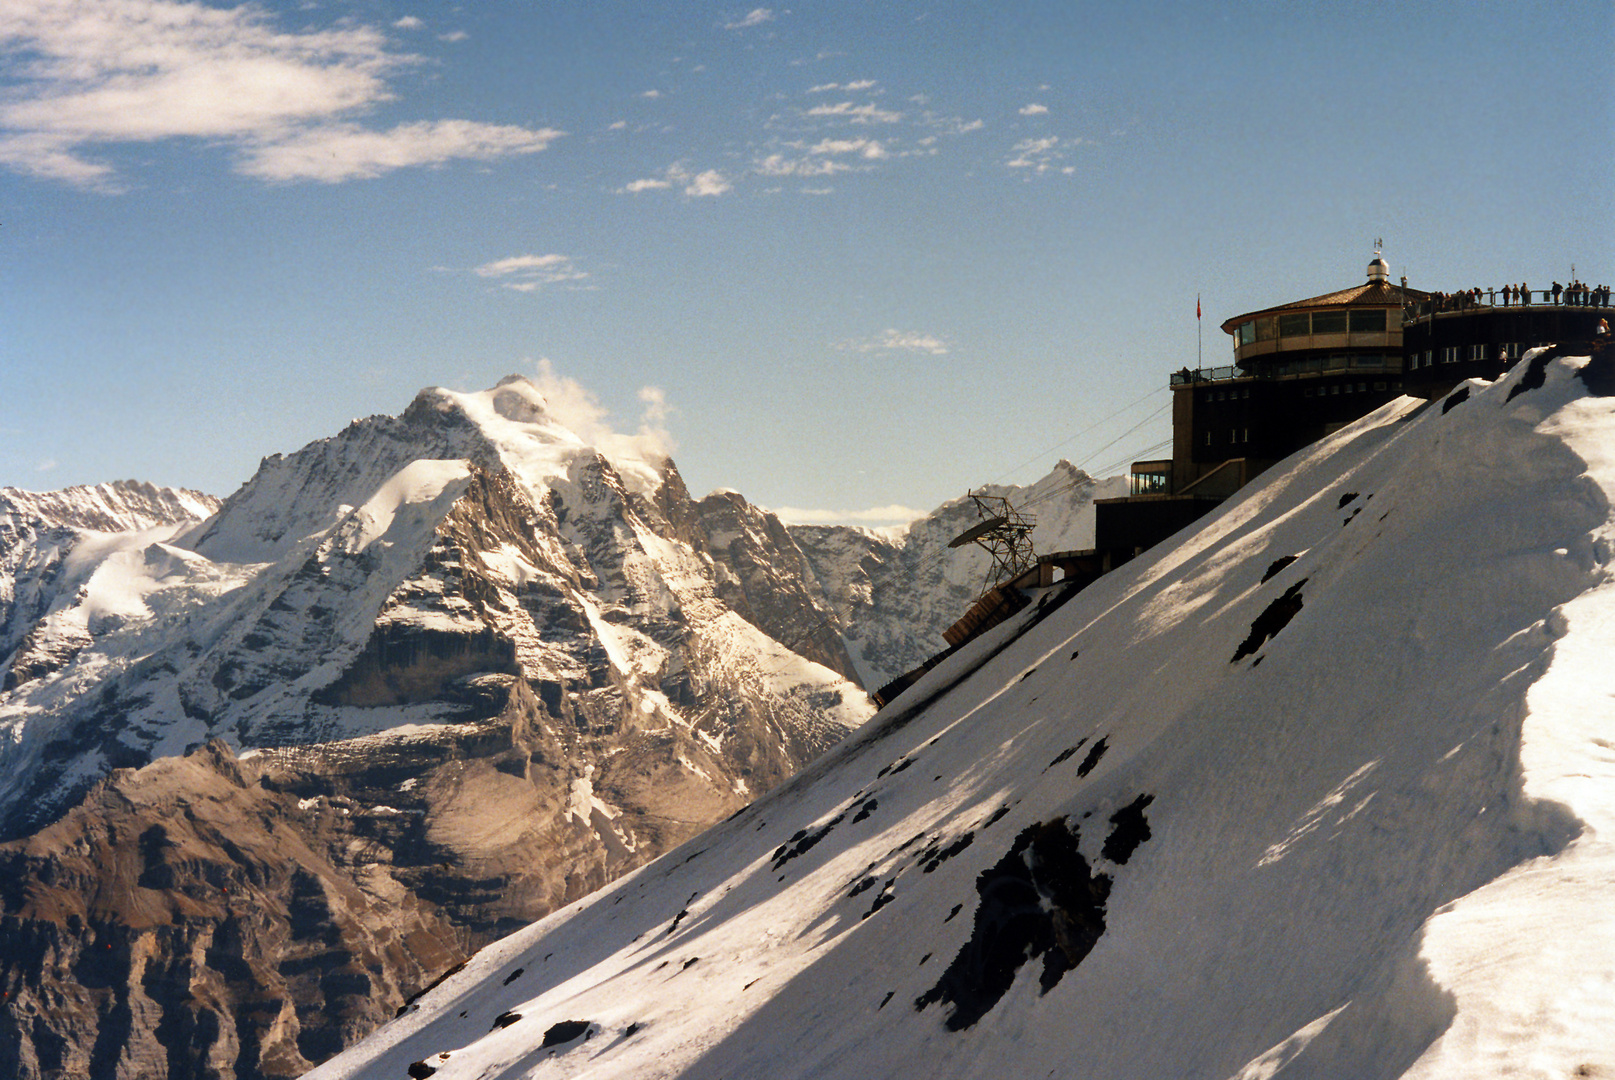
(1003, 532)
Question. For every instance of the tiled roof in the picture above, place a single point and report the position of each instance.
(1368, 294)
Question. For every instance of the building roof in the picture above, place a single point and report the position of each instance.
(1368, 294)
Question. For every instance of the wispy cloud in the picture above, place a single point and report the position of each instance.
(453, 36)
(857, 114)
(528, 273)
(1043, 155)
(348, 151)
(577, 409)
(707, 183)
(1034, 109)
(755, 17)
(46, 465)
(897, 341)
(408, 22)
(847, 88)
(892, 513)
(84, 77)
(821, 158)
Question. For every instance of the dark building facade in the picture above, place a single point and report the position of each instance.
(1301, 370)
(1447, 339)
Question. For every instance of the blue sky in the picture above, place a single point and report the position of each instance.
(839, 256)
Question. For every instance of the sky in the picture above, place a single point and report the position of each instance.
(847, 259)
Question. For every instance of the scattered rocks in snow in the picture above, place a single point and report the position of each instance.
(934, 856)
(1345, 500)
(869, 807)
(802, 841)
(513, 976)
(505, 1019)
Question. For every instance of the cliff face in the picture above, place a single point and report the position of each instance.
(410, 687)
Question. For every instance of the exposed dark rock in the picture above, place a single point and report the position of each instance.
(1129, 828)
(1276, 566)
(1040, 900)
(1275, 617)
(564, 1032)
(1454, 399)
(1092, 759)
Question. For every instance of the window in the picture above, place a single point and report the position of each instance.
(1477, 352)
(1449, 354)
(1362, 388)
(1328, 322)
(1233, 435)
(1368, 321)
(1379, 385)
(1267, 328)
(1246, 392)
(1368, 360)
(1309, 391)
(1295, 325)
(1247, 332)
(1347, 390)
(1335, 389)
(1247, 435)
(1509, 350)
(1208, 438)
(1427, 358)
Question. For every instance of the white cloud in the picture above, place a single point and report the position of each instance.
(711, 182)
(83, 76)
(857, 114)
(697, 185)
(528, 273)
(580, 411)
(892, 513)
(651, 94)
(348, 151)
(637, 186)
(453, 35)
(865, 148)
(408, 22)
(47, 465)
(850, 88)
(780, 165)
(619, 125)
(1034, 109)
(1040, 155)
(898, 341)
(755, 17)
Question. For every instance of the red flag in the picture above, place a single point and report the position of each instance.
(1197, 305)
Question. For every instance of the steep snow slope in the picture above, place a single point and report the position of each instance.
(894, 591)
(1324, 790)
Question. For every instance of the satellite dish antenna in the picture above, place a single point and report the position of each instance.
(1005, 533)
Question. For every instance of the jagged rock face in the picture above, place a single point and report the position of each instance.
(476, 669)
(894, 591)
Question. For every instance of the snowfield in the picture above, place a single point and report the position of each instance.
(1327, 789)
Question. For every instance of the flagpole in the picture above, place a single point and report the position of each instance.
(1199, 336)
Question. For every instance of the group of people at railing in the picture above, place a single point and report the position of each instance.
(1576, 294)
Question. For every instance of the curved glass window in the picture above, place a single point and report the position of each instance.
(1267, 328)
(1247, 332)
(1329, 322)
(1295, 325)
(1368, 321)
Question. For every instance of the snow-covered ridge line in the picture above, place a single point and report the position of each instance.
(121, 506)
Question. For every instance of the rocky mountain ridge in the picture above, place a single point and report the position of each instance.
(455, 663)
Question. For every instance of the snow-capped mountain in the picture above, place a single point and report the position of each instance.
(1323, 790)
(468, 665)
(409, 688)
(894, 591)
